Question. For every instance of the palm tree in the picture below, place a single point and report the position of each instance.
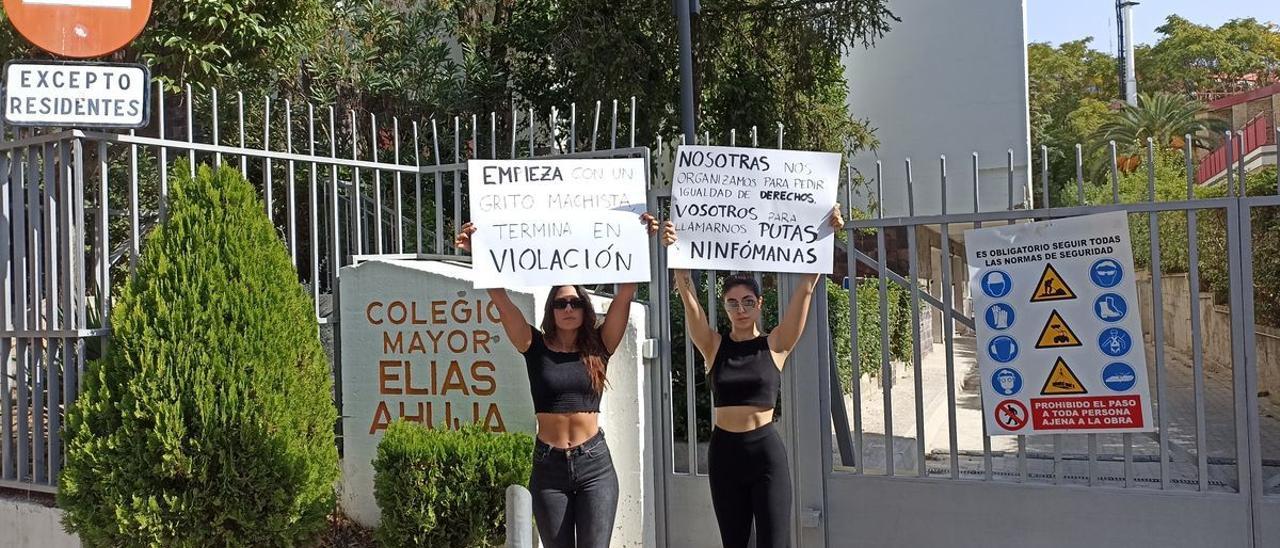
(1163, 117)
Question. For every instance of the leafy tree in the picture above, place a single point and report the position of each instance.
(1164, 118)
(1191, 57)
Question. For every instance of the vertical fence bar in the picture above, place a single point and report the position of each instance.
(438, 221)
(1115, 174)
(977, 207)
(356, 196)
(335, 215)
(44, 407)
(948, 326)
(613, 131)
(632, 128)
(54, 321)
(851, 265)
(1244, 180)
(217, 156)
(291, 198)
(533, 129)
(1229, 147)
(163, 168)
(1197, 345)
(134, 235)
(35, 229)
(515, 123)
(1044, 174)
(266, 161)
(417, 185)
(191, 136)
(21, 281)
(886, 367)
(398, 233)
(1079, 175)
(573, 127)
(374, 144)
(913, 278)
(244, 158)
(81, 297)
(595, 127)
(313, 198)
(493, 135)
(1162, 411)
(457, 175)
(69, 302)
(6, 309)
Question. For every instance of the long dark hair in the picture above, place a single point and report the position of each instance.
(590, 344)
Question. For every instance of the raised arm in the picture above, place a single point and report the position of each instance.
(615, 320)
(695, 318)
(784, 337)
(519, 334)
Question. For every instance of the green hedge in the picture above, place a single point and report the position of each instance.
(447, 488)
(210, 421)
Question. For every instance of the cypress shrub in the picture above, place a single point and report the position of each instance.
(210, 419)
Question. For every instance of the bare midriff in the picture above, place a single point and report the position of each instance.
(565, 430)
(743, 418)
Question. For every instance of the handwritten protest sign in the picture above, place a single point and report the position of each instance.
(566, 221)
(753, 209)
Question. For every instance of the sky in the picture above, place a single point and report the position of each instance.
(1058, 21)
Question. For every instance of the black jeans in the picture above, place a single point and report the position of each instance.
(575, 494)
(751, 482)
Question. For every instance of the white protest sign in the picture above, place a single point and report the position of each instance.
(1060, 346)
(753, 209)
(554, 222)
(47, 93)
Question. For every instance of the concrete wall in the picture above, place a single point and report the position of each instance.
(950, 78)
(30, 524)
(1215, 329)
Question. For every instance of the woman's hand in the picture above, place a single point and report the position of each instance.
(836, 220)
(463, 239)
(650, 222)
(668, 233)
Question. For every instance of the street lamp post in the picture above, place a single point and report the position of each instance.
(684, 14)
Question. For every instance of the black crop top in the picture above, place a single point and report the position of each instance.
(559, 381)
(744, 373)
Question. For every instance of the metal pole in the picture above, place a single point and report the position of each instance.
(687, 124)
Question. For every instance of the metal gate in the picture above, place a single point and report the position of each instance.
(894, 453)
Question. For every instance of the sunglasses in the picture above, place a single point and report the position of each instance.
(566, 304)
(746, 304)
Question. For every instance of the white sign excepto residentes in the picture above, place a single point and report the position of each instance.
(76, 94)
(1059, 336)
(753, 209)
(558, 221)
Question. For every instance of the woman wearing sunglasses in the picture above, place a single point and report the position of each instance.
(750, 479)
(574, 486)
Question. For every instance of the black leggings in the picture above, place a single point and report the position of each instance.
(750, 481)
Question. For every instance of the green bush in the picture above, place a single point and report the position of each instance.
(210, 420)
(869, 330)
(446, 488)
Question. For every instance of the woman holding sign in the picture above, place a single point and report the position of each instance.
(574, 486)
(750, 479)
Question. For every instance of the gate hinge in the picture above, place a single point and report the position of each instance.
(811, 518)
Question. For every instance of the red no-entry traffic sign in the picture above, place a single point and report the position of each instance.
(79, 28)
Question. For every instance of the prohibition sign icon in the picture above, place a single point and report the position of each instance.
(79, 28)
(1011, 415)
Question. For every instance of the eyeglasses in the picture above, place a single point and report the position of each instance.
(746, 304)
(565, 304)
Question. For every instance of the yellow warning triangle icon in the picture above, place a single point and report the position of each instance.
(1062, 381)
(1057, 334)
(1052, 287)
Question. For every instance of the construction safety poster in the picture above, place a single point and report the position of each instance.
(1060, 346)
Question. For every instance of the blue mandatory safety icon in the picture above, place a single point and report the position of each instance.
(996, 284)
(1003, 349)
(1110, 307)
(1115, 342)
(999, 316)
(1106, 273)
(1118, 376)
(1006, 381)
